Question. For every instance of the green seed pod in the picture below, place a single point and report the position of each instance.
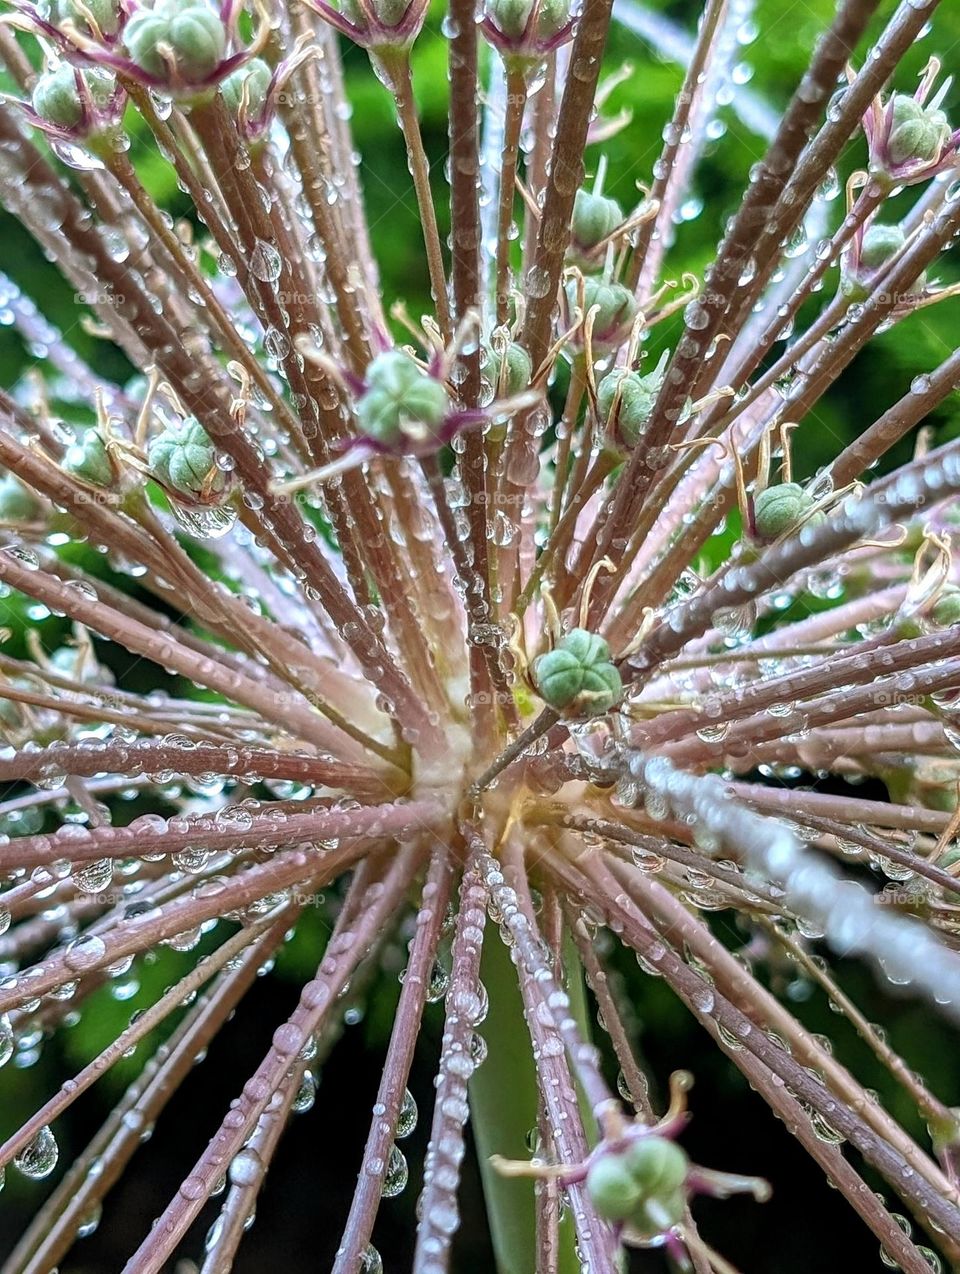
(658, 1166)
(780, 508)
(185, 461)
(658, 1213)
(389, 13)
(577, 677)
(190, 35)
(638, 396)
(256, 75)
(616, 309)
(507, 381)
(612, 1189)
(918, 135)
(946, 609)
(106, 14)
(90, 461)
(511, 17)
(594, 218)
(879, 246)
(56, 98)
(400, 400)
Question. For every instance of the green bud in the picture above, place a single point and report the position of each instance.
(190, 34)
(390, 13)
(511, 17)
(56, 98)
(946, 609)
(106, 14)
(17, 502)
(90, 461)
(612, 1189)
(594, 218)
(659, 1213)
(515, 377)
(880, 244)
(778, 509)
(657, 1165)
(256, 75)
(918, 135)
(616, 309)
(638, 396)
(185, 461)
(577, 676)
(400, 400)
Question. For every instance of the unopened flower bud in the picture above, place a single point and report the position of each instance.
(918, 134)
(625, 401)
(390, 13)
(612, 1188)
(578, 676)
(525, 31)
(616, 309)
(400, 400)
(658, 1213)
(386, 28)
(595, 217)
(105, 13)
(659, 1166)
(90, 461)
(517, 19)
(254, 79)
(779, 509)
(185, 461)
(507, 371)
(878, 246)
(185, 41)
(57, 97)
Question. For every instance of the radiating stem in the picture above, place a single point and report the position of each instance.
(516, 103)
(401, 82)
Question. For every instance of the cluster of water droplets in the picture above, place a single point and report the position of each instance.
(840, 909)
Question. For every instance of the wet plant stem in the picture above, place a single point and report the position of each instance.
(516, 104)
(554, 551)
(401, 82)
(571, 410)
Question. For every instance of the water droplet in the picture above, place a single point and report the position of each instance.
(39, 1158)
(266, 264)
(395, 1178)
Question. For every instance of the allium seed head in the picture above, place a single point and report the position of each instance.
(781, 508)
(184, 40)
(917, 135)
(400, 400)
(90, 461)
(397, 602)
(63, 95)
